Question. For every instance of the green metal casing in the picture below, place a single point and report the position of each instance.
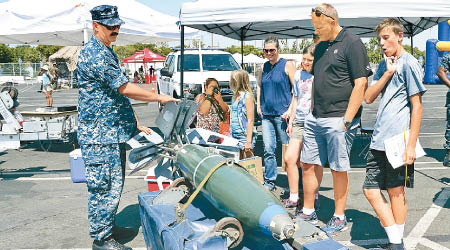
(230, 188)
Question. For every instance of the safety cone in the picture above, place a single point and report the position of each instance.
(153, 88)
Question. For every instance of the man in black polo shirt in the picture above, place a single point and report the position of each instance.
(340, 70)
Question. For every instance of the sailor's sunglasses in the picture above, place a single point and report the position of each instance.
(269, 50)
(111, 28)
(319, 12)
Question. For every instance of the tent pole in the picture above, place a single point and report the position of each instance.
(85, 34)
(182, 62)
(412, 38)
(242, 52)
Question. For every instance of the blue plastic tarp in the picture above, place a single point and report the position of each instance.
(162, 232)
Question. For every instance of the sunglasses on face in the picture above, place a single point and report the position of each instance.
(318, 13)
(269, 50)
(111, 27)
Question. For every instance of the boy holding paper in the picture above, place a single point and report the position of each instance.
(399, 80)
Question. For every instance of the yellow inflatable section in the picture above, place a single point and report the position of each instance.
(443, 45)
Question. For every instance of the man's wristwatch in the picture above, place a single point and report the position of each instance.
(346, 123)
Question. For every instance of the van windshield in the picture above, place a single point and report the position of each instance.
(211, 62)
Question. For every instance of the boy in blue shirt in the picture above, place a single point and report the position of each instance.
(399, 81)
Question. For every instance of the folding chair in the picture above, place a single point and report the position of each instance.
(366, 135)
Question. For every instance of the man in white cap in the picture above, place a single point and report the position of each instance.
(106, 121)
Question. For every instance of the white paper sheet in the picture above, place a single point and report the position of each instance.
(395, 147)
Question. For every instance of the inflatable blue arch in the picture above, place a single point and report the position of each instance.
(435, 50)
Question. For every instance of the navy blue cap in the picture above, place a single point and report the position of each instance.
(107, 15)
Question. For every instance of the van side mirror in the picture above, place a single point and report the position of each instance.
(165, 72)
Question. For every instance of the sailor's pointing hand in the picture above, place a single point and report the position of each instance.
(163, 99)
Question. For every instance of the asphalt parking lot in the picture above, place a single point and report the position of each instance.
(40, 207)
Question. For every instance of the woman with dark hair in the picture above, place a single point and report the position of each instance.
(273, 100)
(212, 108)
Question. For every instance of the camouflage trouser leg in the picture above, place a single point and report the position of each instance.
(105, 171)
(447, 131)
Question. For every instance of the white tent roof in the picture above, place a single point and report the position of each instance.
(257, 19)
(252, 58)
(62, 22)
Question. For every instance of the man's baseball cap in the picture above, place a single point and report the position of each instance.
(106, 15)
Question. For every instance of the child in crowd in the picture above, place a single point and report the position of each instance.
(47, 85)
(300, 107)
(399, 81)
(242, 111)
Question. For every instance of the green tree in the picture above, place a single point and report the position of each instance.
(26, 53)
(6, 54)
(284, 48)
(47, 50)
(374, 51)
(197, 43)
(417, 52)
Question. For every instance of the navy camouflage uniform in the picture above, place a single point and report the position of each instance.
(105, 122)
(445, 63)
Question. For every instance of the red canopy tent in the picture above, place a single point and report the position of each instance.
(144, 56)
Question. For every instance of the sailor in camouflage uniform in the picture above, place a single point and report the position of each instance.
(106, 121)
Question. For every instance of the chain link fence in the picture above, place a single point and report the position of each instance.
(30, 72)
(23, 69)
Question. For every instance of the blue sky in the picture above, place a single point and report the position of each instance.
(170, 7)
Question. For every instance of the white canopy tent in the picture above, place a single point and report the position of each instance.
(257, 19)
(250, 58)
(68, 22)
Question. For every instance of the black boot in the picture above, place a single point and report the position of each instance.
(446, 162)
(108, 244)
(123, 232)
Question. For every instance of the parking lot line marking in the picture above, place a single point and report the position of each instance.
(371, 242)
(431, 244)
(135, 248)
(50, 172)
(424, 223)
(56, 178)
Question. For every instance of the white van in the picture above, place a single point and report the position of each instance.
(212, 63)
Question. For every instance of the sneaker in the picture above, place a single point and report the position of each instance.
(446, 162)
(288, 203)
(390, 246)
(269, 186)
(335, 225)
(312, 218)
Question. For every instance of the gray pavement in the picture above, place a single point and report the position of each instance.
(40, 207)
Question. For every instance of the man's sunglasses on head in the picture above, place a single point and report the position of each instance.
(269, 50)
(318, 12)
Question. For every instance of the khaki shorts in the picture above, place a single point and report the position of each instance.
(297, 131)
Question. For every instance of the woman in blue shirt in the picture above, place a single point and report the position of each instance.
(273, 100)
